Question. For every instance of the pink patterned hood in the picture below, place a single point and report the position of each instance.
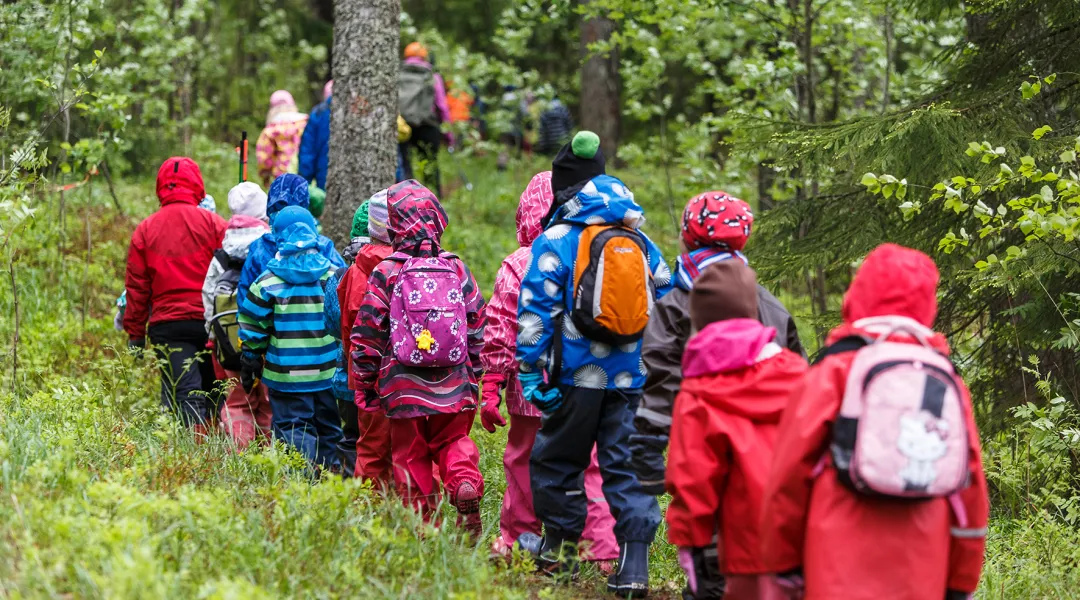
(534, 204)
(727, 346)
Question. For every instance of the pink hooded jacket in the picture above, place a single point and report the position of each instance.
(500, 337)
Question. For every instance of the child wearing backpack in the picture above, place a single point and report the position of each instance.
(500, 373)
(287, 190)
(592, 283)
(286, 343)
(416, 357)
(877, 488)
(372, 445)
(736, 384)
(244, 416)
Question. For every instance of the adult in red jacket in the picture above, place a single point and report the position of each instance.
(849, 545)
(167, 261)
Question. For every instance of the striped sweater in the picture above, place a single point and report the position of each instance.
(285, 322)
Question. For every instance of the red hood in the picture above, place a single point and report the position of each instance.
(534, 204)
(741, 370)
(179, 180)
(893, 280)
(371, 255)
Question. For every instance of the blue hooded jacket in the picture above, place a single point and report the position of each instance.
(315, 145)
(546, 291)
(282, 316)
(287, 190)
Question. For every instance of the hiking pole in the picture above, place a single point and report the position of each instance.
(242, 156)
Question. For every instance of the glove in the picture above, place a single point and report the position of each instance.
(958, 595)
(490, 417)
(548, 401)
(791, 582)
(135, 347)
(703, 578)
(251, 369)
(647, 461)
(340, 384)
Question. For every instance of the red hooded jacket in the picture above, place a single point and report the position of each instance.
(737, 384)
(351, 290)
(171, 251)
(849, 545)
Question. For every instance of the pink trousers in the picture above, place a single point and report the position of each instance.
(245, 416)
(442, 441)
(518, 515)
(754, 587)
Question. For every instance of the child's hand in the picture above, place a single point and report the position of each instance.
(490, 417)
(251, 368)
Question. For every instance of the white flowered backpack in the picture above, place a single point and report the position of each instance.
(428, 325)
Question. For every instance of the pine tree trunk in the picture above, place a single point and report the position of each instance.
(601, 111)
(363, 136)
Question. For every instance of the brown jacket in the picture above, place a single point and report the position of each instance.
(662, 350)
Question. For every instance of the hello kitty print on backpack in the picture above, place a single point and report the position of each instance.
(428, 326)
(901, 431)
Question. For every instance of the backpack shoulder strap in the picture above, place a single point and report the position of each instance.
(852, 343)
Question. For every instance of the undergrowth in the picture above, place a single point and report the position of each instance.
(105, 496)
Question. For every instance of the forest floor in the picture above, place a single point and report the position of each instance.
(103, 496)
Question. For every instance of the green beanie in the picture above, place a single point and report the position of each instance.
(316, 200)
(585, 144)
(360, 221)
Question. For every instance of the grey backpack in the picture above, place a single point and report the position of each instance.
(416, 95)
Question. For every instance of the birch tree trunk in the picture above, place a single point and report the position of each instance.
(363, 135)
(601, 111)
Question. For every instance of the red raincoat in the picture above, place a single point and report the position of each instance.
(849, 545)
(171, 251)
(351, 290)
(722, 437)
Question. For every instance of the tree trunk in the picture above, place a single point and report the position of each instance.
(363, 135)
(601, 111)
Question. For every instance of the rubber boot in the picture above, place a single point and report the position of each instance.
(467, 502)
(632, 578)
(555, 556)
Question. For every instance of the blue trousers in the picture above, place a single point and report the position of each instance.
(562, 452)
(310, 423)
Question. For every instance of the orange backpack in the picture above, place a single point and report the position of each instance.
(613, 285)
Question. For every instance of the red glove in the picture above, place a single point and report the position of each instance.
(490, 417)
(366, 404)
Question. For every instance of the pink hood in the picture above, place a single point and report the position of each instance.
(727, 346)
(534, 204)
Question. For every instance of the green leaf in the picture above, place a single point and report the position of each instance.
(1025, 90)
(1027, 161)
(1012, 251)
(1040, 132)
(1068, 156)
(982, 265)
(869, 180)
(1050, 78)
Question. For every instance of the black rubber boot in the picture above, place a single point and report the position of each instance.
(554, 555)
(632, 578)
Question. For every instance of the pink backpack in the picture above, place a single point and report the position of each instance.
(901, 431)
(428, 321)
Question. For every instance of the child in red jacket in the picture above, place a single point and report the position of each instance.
(845, 544)
(737, 380)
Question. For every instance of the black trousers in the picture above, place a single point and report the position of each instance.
(425, 141)
(350, 434)
(187, 372)
(562, 451)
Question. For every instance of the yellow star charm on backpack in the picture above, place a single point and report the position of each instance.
(424, 340)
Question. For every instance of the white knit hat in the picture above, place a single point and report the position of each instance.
(248, 199)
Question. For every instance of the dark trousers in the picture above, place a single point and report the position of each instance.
(187, 372)
(425, 141)
(350, 433)
(562, 452)
(310, 423)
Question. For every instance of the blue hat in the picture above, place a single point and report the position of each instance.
(291, 215)
(289, 189)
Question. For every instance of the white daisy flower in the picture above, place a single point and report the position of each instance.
(662, 274)
(628, 348)
(526, 297)
(633, 219)
(415, 357)
(557, 232)
(551, 288)
(589, 188)
(572, 207)
(415, 297)
(530, 329)
(591, 376)
(569, 330)
(416, 329)
(454, 354)
(594, 220)
(624, 380)
(430, 285)
(621, 191)
(599, 350)
(548, 262)
(454, 297)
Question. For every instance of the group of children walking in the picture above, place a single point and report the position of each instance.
(857, 477)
